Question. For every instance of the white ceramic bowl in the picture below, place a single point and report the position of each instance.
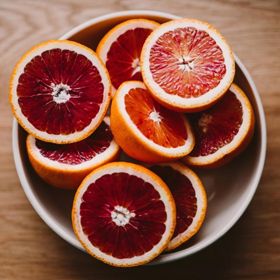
(230, 189)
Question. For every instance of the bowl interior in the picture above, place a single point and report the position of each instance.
(227, 198)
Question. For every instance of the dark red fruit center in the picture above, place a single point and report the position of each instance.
(164, 127)
(122, 215)
(79, 152)
(187, 62)
(124, 55)
(60, 91)
(217, 126)
(183, 193)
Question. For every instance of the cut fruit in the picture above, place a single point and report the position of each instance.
(121, 47)
(144, 129)
(60, 91)
(65, 166)
(187, 65)
(123, 214)
(190, 199)
(222, 131)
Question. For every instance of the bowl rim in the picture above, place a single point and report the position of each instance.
(58, 229)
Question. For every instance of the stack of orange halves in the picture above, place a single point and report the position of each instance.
(172, 99)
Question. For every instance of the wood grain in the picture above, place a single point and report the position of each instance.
(251, 250)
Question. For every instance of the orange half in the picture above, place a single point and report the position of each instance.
(146, 130)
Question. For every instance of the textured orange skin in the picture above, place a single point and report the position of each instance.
(234, 153)
(57, 178)
(127, 140)
(156, 178)
(65, 179)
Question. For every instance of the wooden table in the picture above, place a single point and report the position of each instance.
(251, 250)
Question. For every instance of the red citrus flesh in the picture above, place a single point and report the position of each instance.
(187, 62)
(217, 126)
(122, 215)
(162, 126)
(79, 152)
(64, 87)
(183, 194)
(124, 54)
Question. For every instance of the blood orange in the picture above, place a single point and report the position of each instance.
(144, 129)
(121, 47)
(190, 199)
(123, 214)
(187, 64)
(222, 131)
(65, 166)
(60, 91)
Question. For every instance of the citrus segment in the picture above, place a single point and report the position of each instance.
(190, 199)
(146, 130)
(123, 214)
(222, 130)
(121, 47)
(187, 64)
(148, 116)
(66, 165)
(60, 91)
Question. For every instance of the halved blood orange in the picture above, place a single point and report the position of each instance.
(190, 199)
(144, 129)
(59, 91)
(123, 214)
(66, 165)
(121, 47)
(222, 131)
(187, 64)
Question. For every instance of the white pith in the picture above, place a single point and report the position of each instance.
(204, 121)
(63, 45)
(155, 117)
(177, 100)
(60, 96)
(170, 151)
(105, 44)
(201, 202)
(186, 63)
(121, 215)
(128, 169)
(135, 65)
(104, 156)
(237, 139)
